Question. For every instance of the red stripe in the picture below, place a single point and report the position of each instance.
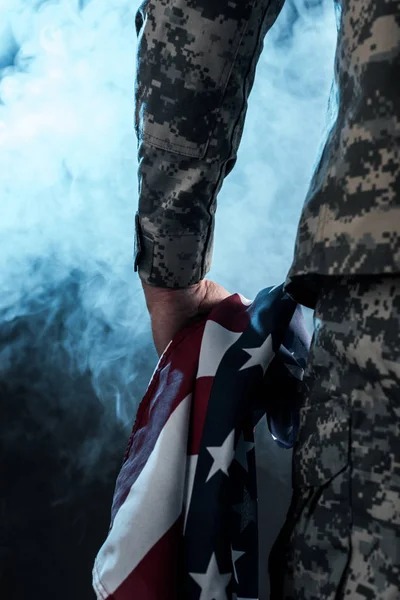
(232, 314)
(173, 381)
(160, 573)
(198, 415)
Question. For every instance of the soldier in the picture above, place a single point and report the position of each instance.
(196, 66)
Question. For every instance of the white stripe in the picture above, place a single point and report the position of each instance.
(216, 341)
(153, 505)
(245, 301)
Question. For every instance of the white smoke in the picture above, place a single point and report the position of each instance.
(68, 175)
(287, 122)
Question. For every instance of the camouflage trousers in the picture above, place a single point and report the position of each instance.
(341, 538)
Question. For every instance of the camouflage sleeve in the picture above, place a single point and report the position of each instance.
(196, 63)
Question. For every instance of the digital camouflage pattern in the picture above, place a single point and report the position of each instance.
(196, 64)
(195, 69)
(342, 535)
(351, 218)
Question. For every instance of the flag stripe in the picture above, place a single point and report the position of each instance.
(160, 486)
(160, 573)
(216, 341)
(167, 389)
(182, 508)
(190, 473)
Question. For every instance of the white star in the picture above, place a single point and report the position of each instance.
(260, 356)
(212, 582)
(236, 554)
(222, 455)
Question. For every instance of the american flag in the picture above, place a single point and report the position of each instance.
(184, 513)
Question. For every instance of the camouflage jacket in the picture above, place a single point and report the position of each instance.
(195, 70)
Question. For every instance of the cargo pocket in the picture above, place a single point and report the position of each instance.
(185, 58)
(322, 448)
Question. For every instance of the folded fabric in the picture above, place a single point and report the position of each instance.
(184, 513)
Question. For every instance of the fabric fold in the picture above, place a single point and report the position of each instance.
(184, 514)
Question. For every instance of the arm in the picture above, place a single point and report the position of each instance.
(196, 64)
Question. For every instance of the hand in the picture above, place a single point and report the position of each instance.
(172, 310)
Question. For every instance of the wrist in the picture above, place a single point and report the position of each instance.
(156, 295)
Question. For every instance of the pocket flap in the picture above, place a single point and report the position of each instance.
(322, 446)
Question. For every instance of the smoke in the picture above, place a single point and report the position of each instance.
(68, 186)
(70, 305)
(286, 125)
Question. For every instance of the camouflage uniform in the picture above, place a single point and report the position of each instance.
(341, 538)
(196, 67)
